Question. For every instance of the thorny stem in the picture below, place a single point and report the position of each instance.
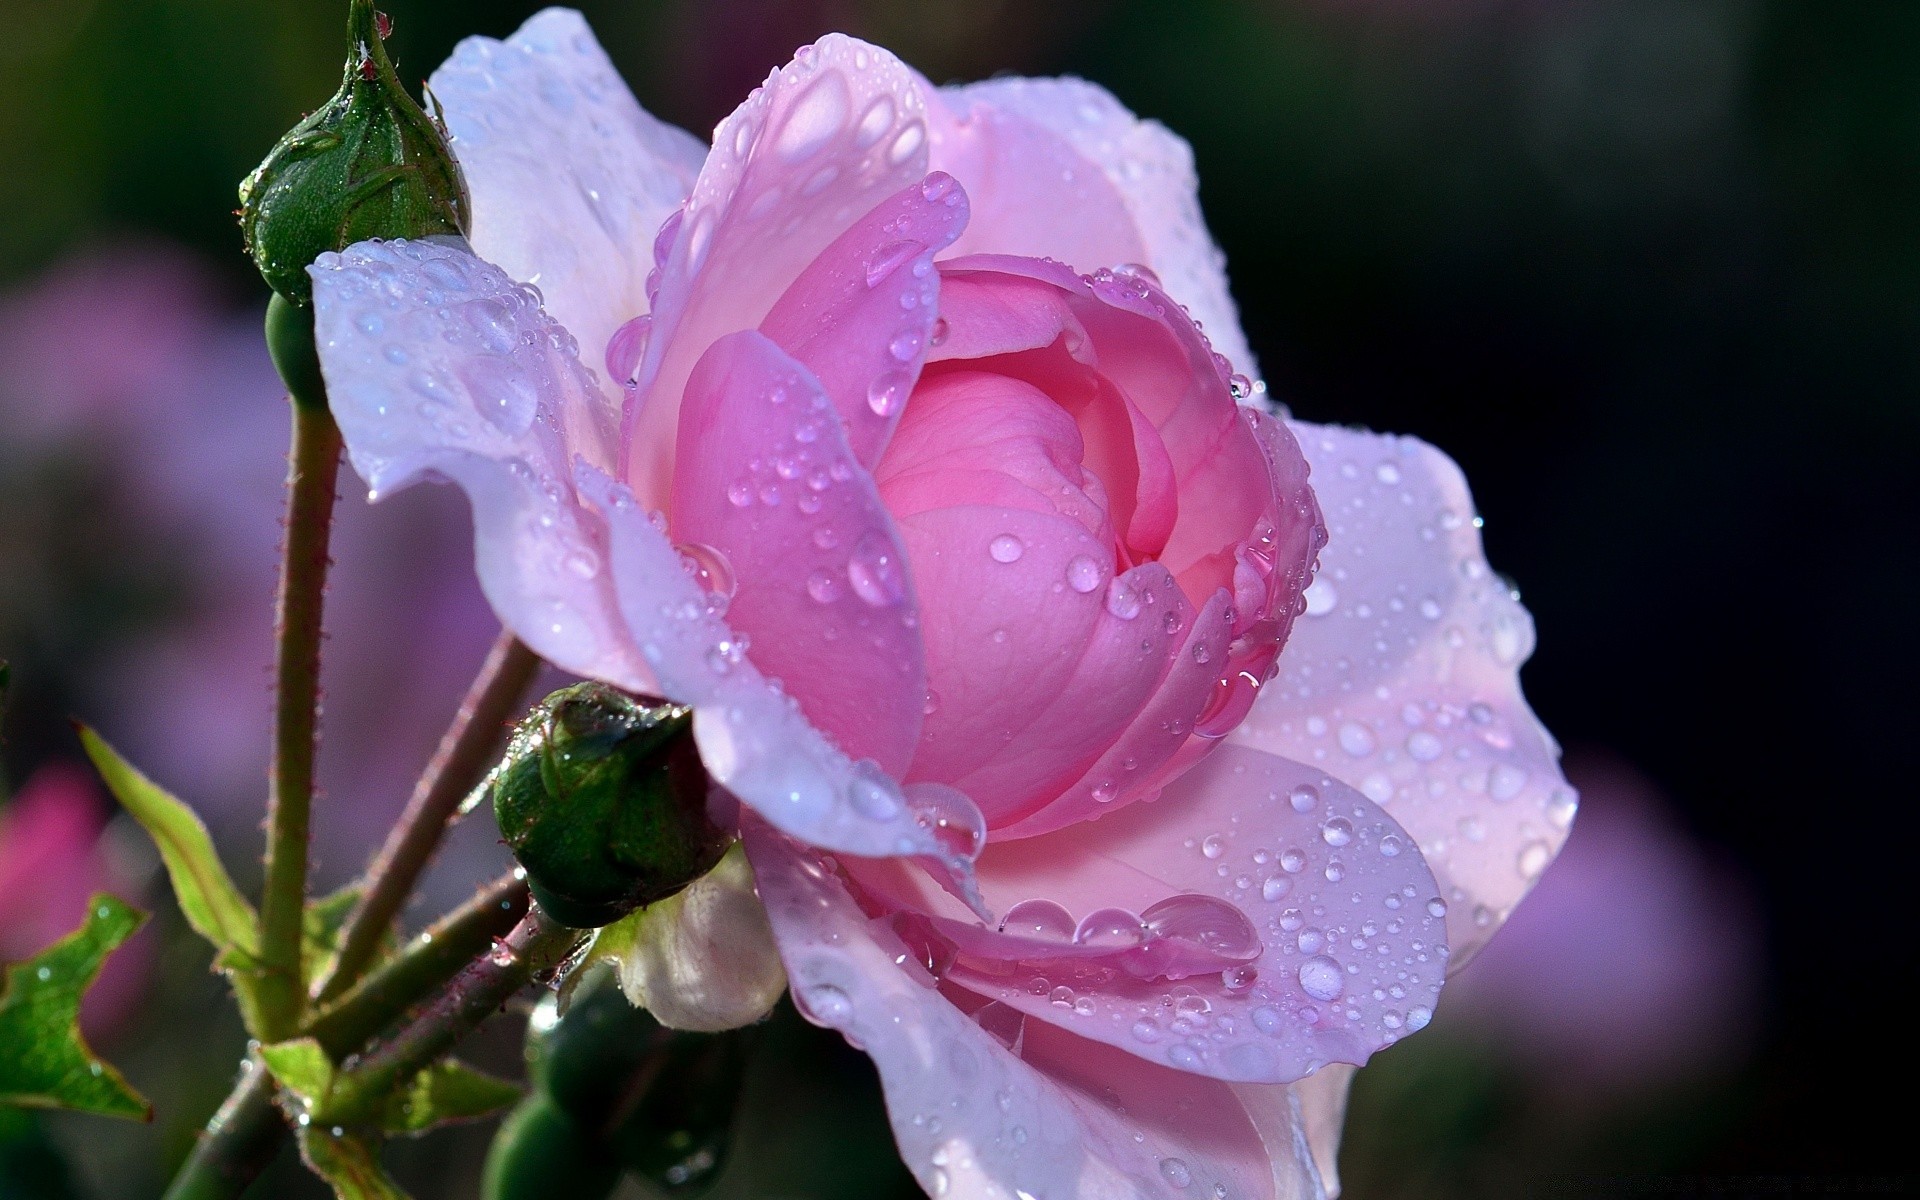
(481, 988)
(313, 466)
(462, 755)
(243, 1137)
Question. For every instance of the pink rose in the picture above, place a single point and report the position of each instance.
(913, 470)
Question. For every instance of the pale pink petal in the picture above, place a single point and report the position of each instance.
(438, 364)
(1152, 169)
(826, 139)
(1321, 1100)
(1033, 673)
(1033, 192)
(987, 1105)
(752, 736)
(860, 316)
(1351, 937)
(1402, 678)
(569, 176)
(764, 475)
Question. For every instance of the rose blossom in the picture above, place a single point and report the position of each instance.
(916, 468)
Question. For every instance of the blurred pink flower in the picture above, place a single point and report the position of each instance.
(1017, 561)
(51, 860)
(1636, 960)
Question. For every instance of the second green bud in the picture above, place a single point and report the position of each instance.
(603, 800)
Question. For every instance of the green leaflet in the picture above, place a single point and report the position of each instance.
(44, 1062)
(449, 1091)
(212, 905)
(349, 1163)
(444, 1093)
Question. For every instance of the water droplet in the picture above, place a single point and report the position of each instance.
(816, 118)
(1418, 1016)
(1338, 831)
(1204, 922)
(1006, 548)
(1293, 861)
(823, 1004)
(905, 345)
(888, 259)
(907, 142)
(1321, 597)
(1304, 798)
(1391, 845)
(950, 816)
(1356, 739)
(1534, 857)
(1041, 920)
(709, 568)
(872, 792)
(1320, 978)
(1105, 791)
(1436, 907)
(888, 392)
(1424, 746)
(1176, 1172)
(873, 122)
(627, 347)
(1239, 979)
(874, 570)
(1083, 574)
(1123, 600)
(1110, 928)
(1275, 887)
(1213, 845)
(823, 587)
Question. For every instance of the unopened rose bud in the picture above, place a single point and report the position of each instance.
(370, 163)
(604, 801)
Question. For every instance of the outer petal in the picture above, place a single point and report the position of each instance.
(703, 959)
(1403, 677)
(1322, 1103)
(1033, 192)
(993, 1106)
(1152, 168)
(765, 477)
(437, 363)
(860, 316)
(1354, 945)
(826, 139)
(570, 177)
(752, 736)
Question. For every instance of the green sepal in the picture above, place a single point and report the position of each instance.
(44, 1060)
(369, 163)
(349, 1162)
(446, 1093)
(208, 899)
(324, 921)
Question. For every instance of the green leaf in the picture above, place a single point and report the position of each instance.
(447, 1092)
(349, 1163)
(212, 905)
(44, 1062)
(320, 941)
(303, 1068)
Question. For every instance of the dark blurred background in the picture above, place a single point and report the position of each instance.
(1649, 270)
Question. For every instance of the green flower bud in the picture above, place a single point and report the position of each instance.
(603, 800)
(542, 1152)
(369, 163)
(661, 1100)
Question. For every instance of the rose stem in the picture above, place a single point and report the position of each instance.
(481, 987)
(462, 755)
(313, 466)
(243, 1137)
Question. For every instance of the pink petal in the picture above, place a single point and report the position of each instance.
(752, 737)
(1321, 1103)
(1033, 192)
(988, 1104)
(860, 316)
(491, 395)
(764, 476)
(1152, 169)
(1351, 931)
(569, 176)
(1402, 679)
(826, 139)
(1158, 742)
(1033, 673)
